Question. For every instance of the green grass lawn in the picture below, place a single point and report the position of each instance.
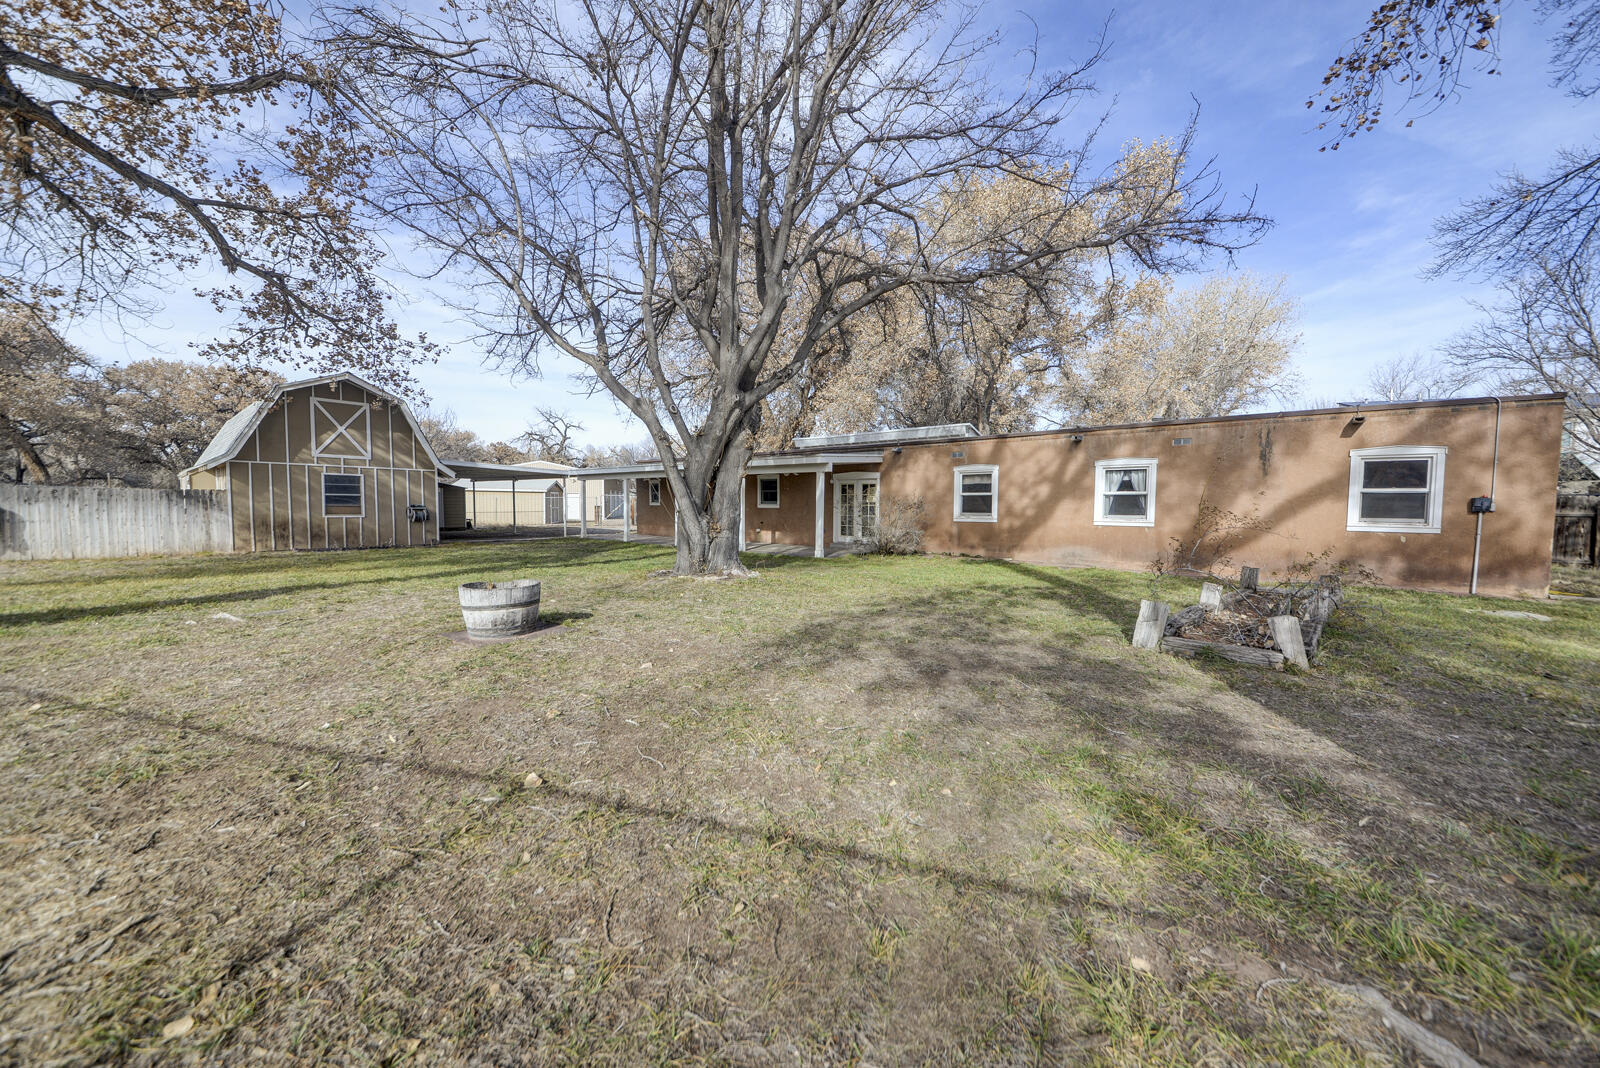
(867, 810)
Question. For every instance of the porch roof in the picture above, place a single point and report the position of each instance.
(780, 463)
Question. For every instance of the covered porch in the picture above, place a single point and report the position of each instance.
(820, 504)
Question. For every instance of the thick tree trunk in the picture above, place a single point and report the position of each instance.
(708, 521)
(27, 456)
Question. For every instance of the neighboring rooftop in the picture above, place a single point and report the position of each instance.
(887, 437)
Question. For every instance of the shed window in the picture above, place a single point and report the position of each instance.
(767, 491)
(977, 493)
(1125, 493)
(655, 491)
(1397, 489)
(341, 494)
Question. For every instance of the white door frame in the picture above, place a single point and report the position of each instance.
(856, 477)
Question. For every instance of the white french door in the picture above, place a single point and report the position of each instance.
(855, 507)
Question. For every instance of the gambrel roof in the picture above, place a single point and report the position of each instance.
(236, 431)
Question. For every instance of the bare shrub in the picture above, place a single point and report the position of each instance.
(901, 524)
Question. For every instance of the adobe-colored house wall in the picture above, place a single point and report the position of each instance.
(1291, 472)
(654, 518)
(275, 481)
(793, 522)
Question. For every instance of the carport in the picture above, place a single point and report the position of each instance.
(476, 471)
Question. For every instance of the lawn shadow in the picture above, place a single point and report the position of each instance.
(774, 832)
(492, 557)
(959, 659)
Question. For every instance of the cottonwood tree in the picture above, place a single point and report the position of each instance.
(149, 140)
(1542, 336)
(615, 172)
(1213, 349)
(1423, 50)
(986, 352)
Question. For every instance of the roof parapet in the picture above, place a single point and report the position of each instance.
(887, 437)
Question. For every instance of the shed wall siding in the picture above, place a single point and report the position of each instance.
(275, 482)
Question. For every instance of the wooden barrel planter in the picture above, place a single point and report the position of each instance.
(500, 609)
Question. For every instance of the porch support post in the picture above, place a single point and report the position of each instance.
(742, 488)
(625, 482)
(583, 508)
(564, 485)
(474, 504)
(822, 545)
(513, 506)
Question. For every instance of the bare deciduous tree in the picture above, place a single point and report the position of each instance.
(159, 415)
(450, 440)
(1543, 336)
(986, 353)
(1416, 377)
(550, 436)
(65, 418)
(618, 174)
(1423, 50)
(1218, 348)
(49, 394)
(141, 140)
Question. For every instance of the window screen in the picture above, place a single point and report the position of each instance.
(977, 494)
(767, 492)
(1396, 489)
(655, 491)
(341, 494)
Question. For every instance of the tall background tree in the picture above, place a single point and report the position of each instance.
(66, 418)
(1541, 336)
(616, 175)
(1218, 348)
(150, 140)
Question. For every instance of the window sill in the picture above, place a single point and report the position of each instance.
(1099, 522)
(976, 519)
(1390, 528)
(760, 505)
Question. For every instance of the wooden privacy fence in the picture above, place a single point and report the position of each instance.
(1577, 529)
(71, 522)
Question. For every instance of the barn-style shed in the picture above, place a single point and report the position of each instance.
(327, 463)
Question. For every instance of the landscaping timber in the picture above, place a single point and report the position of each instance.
(1244, 654)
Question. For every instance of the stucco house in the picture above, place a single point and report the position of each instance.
(1453, 495)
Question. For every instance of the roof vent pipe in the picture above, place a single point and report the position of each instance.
(1494, 471)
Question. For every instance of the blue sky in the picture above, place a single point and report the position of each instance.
(1352, 227)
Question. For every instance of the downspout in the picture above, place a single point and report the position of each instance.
(1494, 471)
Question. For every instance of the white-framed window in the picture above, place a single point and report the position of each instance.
(766, 491)
(977, 493)
(342, 494)
(655, 491)
(1397, 489)
(1125, 492)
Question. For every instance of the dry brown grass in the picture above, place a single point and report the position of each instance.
(869, 810)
